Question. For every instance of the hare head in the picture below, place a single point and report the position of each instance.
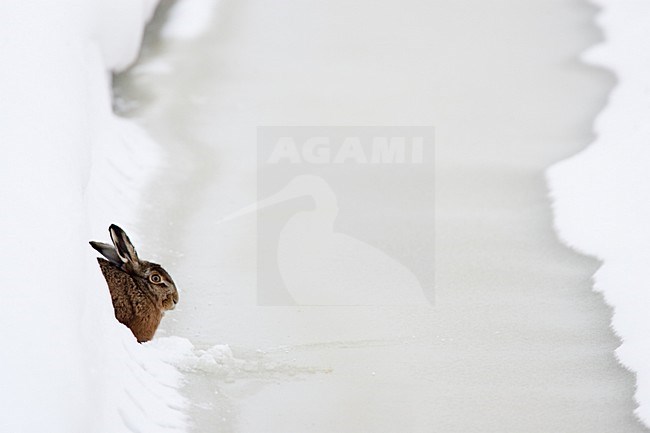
(141, 291)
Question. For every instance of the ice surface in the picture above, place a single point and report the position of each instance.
(516, 342)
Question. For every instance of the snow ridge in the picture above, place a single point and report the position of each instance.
(69, 167)
(601, 195)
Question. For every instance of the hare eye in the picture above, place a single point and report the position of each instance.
(155, 278)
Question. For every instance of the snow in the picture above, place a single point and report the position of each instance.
(218, 360)
(189, 19)
(69, 167)
(600, 196)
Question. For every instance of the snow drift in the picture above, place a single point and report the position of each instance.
(602, 195)
(68, 168)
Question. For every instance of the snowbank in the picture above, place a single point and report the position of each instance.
(602, 195)
(188, 19)
(68, 168)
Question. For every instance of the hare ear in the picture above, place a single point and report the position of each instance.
(123, 246)
(107, 251)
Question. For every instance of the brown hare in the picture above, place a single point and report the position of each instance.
(141, 291)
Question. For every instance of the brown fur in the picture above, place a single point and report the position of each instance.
(133, 306)
(141, 291)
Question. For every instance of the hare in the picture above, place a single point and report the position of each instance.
(141, 291)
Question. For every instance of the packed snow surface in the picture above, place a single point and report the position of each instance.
(69, 168)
